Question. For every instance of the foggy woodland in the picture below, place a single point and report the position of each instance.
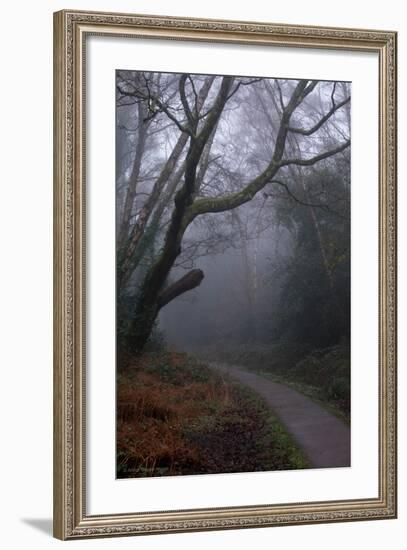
(232, 252)
(233, 210)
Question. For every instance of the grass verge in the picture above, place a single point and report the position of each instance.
(323, 375)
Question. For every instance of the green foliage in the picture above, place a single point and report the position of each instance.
(313, 302)
(278, 357)
(322, 374)
(329, 371)
(178, 369)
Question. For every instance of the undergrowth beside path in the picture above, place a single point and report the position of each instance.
(175, 416)
(323, 374)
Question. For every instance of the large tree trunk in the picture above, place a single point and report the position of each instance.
(187, 207)
(133, 252)
(148, 302)
(149, 307)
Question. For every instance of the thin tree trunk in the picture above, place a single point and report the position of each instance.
(134, 178)
(249, 276)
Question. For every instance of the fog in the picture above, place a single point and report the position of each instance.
(235, 295)
(272, 261)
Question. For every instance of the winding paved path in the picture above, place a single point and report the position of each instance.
(323, 437)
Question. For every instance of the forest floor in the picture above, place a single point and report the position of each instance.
(324, 438)
(177, 416)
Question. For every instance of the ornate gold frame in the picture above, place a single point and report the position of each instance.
(70, 519)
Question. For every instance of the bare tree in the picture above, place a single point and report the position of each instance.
(185, 182)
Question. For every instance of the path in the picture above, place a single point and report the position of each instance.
(323, 437)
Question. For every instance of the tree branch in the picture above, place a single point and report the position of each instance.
(301, 202)
(196, 97)
(317, 158)
(241, 83)
(322, 121)
(184, 101)
(233, 200)
(161, 106)
(280, 95)
(188, 282)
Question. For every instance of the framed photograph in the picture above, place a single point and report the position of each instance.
(225, 274)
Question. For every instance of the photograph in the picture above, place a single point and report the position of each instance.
(233, 273)
(224, 274)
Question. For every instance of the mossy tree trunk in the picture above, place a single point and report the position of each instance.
(133, 249)
(150, 299)
(153, 294)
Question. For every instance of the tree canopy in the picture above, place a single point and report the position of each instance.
(251, 168)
